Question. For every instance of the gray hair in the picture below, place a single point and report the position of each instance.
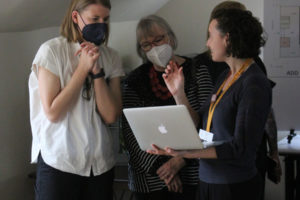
(145, 29)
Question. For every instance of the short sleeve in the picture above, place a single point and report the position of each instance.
(45, 58)
(111, 62)
(117, 68)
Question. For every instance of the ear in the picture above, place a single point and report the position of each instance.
(226, 39)
(75, 16)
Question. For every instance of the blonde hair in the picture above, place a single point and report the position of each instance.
(69, 29)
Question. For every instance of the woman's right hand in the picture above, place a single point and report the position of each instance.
(89, 54)
(174, 79)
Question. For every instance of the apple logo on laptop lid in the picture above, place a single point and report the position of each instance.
(162, 129)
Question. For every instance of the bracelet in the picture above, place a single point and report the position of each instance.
(99, 75)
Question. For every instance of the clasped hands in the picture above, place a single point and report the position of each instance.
(168, 172)
(89, 54)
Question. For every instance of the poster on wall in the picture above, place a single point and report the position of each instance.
(282, 25)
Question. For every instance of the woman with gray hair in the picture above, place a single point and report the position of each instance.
(152, 176)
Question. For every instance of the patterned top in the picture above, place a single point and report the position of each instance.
(137, 92)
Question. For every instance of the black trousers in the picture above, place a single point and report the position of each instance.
(189, 193)
(248, 190)
(53, 184)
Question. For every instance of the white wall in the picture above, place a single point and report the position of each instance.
(123, 39)
(16, 53)
(189, 20)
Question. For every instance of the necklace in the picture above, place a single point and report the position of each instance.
(159, 90)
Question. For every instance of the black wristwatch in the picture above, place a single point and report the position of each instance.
(99, 75)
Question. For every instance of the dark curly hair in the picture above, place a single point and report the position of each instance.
(245, 32)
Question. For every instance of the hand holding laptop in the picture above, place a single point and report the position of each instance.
(167, 151)
(208, 153)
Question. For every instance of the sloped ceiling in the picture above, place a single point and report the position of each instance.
(26, 15)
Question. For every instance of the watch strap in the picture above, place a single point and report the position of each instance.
(98, 75)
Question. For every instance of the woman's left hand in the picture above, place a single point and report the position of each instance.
(96, 69)
(166, 152)
(209, 152)
(169, 169)
(175, 185)
(90, 45)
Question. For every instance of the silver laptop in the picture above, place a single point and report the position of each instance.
(165, 126)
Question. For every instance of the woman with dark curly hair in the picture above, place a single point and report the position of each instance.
(235, 113)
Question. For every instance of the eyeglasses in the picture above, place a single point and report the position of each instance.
(159, 40)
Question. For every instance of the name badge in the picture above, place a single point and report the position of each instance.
(207, 136)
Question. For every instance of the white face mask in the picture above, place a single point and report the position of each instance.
(160, 55)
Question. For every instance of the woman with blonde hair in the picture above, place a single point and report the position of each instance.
(74, 93)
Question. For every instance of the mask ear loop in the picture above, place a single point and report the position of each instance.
(78, 25)
(169, 40)
(81, 17)
(169, 43)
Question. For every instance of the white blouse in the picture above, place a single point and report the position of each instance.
(80, 141)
